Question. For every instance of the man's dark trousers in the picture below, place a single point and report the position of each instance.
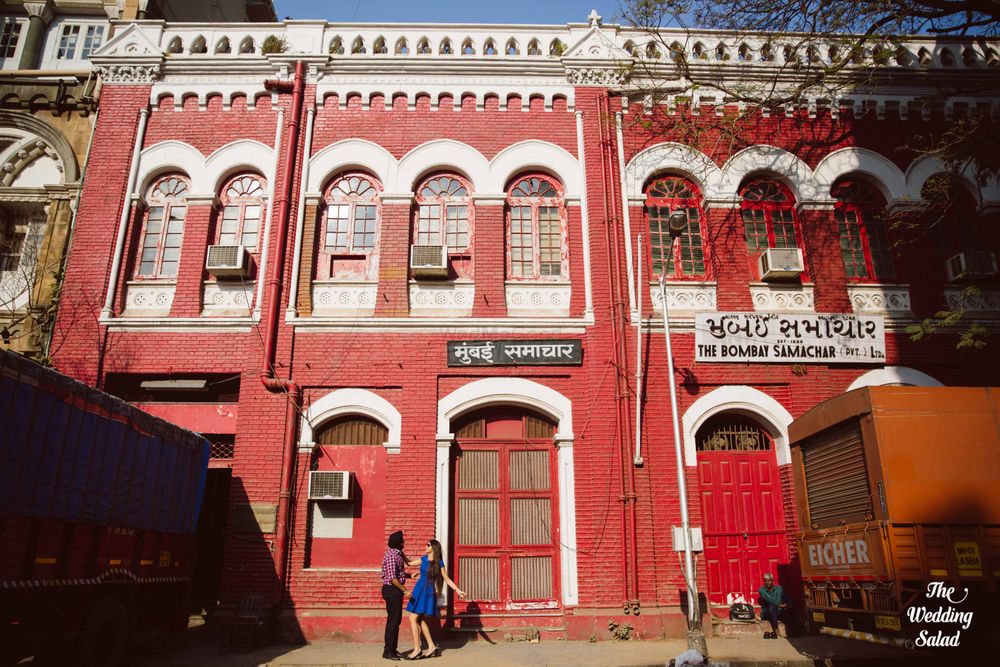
(770, 614)
(393, 615)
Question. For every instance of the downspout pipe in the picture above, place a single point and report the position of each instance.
(268, 376)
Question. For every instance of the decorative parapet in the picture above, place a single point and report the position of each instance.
(227, 299)
(338, 298)
(684, 296)
(782, 298)
(985, 301)
(418, 56)
(148, 298)
(537, 299)
(452, 299)
(887, 299)
(129, 73)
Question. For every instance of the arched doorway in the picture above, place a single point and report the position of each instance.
(505, 511)
(743, 521)
(349, 533)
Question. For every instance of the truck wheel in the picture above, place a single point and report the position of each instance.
(104, 638)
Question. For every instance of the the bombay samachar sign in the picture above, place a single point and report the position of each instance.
(776, 338)
(515, 353)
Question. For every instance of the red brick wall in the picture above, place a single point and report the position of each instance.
(409, 369)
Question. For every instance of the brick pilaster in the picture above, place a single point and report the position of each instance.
(490, 258)
(392, 299)
(823, 259)
(191, 271)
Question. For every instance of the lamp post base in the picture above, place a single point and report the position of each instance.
(696, 640)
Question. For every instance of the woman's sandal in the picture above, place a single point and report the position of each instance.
(434, 653)
(418, 656)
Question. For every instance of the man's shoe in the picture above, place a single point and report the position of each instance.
(390, 656)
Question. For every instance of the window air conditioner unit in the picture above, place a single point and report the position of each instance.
(330, 485)
(227, 260)
(971, 265)
(777, 263)
(429, 261)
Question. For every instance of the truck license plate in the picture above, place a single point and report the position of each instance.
(887, 623)
(819, 617)
(968, 560)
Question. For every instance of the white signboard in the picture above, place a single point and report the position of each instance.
(776, 338)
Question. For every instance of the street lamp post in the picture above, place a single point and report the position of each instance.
(696, 638)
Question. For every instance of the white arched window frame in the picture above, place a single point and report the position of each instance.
(685, 259)
(444, 216)
(242, 211)
(536, 230)
(163, 228)
(350, 230)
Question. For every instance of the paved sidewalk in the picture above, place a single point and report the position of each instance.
(197, 649)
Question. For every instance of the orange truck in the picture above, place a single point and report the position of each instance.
(898, 488)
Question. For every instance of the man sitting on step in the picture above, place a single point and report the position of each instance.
(772, 604)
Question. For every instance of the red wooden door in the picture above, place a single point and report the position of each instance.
(505, 524)
(743, 521)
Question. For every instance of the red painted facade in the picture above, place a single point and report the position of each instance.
(393, 353)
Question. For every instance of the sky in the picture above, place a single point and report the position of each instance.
(557, 12)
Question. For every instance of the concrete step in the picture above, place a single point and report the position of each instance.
(724, 628)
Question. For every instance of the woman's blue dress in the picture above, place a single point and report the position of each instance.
(423, 600)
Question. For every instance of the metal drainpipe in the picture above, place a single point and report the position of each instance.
(608, 239)
(267, 373)
(625, 423)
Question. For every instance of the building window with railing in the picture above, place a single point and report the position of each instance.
(350, 228)
(536, 230)
(863, 232)
(685, 258)
(163, 228)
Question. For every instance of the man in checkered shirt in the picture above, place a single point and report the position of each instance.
(393, 575)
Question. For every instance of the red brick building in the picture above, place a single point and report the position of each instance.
(424, 269)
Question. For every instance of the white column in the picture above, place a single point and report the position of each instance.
(293, 289)
(625, 213)
(270, 210)
(108, 311)
(584, 219)
(567, 522)
(442, 499)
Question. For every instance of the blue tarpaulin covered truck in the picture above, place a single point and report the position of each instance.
(98, 506)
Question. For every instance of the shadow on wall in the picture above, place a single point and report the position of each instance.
(248, 573)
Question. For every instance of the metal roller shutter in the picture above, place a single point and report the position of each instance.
(836, 476)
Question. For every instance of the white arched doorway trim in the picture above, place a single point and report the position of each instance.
(515, 391)
(742, 400)
(352, 402)
(885, 175)
(506, 391)
(894, 375)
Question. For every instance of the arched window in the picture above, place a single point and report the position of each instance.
(350, 228)
(163, 228)
(968, 241)
(242, 211)
(535, 230)
(864, 237)
(444, 205)
(768, 215)
(686, 258)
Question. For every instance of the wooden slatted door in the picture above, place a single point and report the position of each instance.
(505, 515)
(743, 525)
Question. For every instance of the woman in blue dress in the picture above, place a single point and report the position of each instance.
(423, 600)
